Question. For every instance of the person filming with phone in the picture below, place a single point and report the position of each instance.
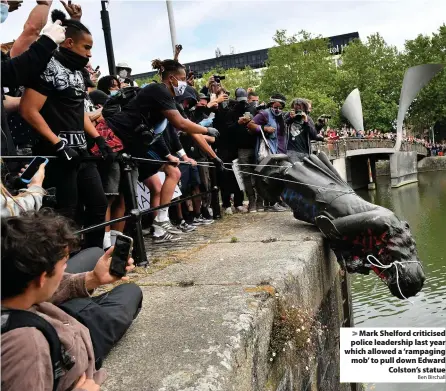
(299, 131)
(55, 335)
(30, 196)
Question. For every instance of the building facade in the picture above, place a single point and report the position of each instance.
(254, 59)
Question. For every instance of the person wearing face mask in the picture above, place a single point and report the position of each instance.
(7, 7)
(53, 104)
(271, 123)
(300, 130)
(253, 99)
(124, 72)
(243, 112)
(109, 84)
(152, 108)
(19, 70)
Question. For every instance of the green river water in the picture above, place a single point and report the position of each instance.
(423, 205)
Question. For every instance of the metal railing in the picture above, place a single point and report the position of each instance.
(338, 148)
(134, 216)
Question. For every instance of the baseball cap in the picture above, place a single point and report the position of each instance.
(241, 94)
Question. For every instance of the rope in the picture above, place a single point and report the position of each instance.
(290, 181)
(390, 265)
(204, 164)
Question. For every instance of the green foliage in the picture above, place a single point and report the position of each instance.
(235, 78)
(148, 80)
(300, 66)
(376, 69)
(430, 105)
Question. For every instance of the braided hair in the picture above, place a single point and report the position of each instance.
(166, 67)
(74, 28)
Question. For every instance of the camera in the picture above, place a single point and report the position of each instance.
(298, 116)
(326, 116)
(218, 78)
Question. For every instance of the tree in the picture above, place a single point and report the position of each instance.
(377, 70)
(301, 66)
(429, 106)
(234, 78)
(148, 80)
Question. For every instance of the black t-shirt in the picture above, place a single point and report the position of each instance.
(63, 110)
(149, 103)
(299, 139)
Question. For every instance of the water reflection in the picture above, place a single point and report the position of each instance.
(423, 205)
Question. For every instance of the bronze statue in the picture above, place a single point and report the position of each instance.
(365, 237)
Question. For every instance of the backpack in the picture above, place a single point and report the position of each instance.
(115, 103)
(60, 361)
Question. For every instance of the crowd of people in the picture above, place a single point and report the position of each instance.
(433, 148)
(54, 103)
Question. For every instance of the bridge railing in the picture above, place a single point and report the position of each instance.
(407, 146)
(338, 148)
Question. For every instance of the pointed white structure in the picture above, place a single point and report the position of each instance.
(352, 110)
(414, 80)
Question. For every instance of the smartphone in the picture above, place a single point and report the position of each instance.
(213, 97)
(121, 254)
(32, 168)
(247, 115)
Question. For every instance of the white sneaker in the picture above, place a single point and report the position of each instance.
(228, 211)
(166, 237)
(241, 209)
(168, 227)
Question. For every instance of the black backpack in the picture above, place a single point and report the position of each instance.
(115, 103)
(60, 361)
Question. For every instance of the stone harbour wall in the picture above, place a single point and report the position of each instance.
(252, 303)
(432, 163)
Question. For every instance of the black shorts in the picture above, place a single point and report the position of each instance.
(147, 169)
(190, 177)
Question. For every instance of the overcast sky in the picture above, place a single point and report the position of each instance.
(140, 29)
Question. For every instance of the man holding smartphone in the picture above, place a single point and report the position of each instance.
(35, 286)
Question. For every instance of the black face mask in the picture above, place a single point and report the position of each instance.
(70, 59)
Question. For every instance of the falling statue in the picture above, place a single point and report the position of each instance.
(365, 237)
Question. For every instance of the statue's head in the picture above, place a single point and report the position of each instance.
(406, 276)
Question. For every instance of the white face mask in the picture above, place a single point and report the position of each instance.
(276, 111)
(179, 90)
(4, 11)
(123, 73)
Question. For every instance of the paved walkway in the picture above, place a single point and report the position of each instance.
(209, 303)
